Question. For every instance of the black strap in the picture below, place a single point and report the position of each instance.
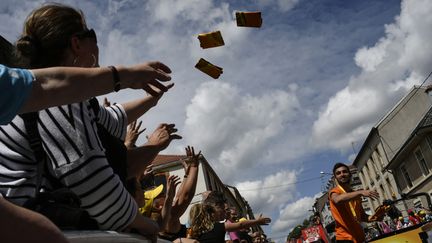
(94, 103)
(115, 150)
(30, 123)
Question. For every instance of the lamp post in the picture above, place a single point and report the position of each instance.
(329, 182)
(325, 173)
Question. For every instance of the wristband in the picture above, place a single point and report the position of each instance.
(116, 78)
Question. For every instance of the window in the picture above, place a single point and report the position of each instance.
(418, 204)
(429, 141)
(374, 168)
(368, 174)
(362, 178)
(419, 156)
(390, 188)
(380, 160)
(384, 193)
(406, 176)
(374, 157)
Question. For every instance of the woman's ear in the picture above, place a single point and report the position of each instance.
(75, 45)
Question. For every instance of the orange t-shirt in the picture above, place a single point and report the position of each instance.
(347, 226)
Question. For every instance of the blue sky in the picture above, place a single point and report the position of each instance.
(295, 95)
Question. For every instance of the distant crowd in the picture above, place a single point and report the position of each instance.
(389, 224)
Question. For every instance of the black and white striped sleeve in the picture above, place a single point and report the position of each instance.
(70, 139)
(114, 119)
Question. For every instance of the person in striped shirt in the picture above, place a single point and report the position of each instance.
(57, 35)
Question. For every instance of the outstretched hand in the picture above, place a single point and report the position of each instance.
(370, 193)
(163, 135)
(173, 182)
(157, 93)
(133, 132)
(263, 220)
(192, 159)
(143, 76)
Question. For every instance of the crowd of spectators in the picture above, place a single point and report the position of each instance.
(68, 162)
(389, 224)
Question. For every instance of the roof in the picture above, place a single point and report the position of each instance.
(166, 159)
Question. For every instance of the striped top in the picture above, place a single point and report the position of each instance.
(76, 157)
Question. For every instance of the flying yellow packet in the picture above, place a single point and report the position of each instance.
(208, 68)
(211, 39)
(249, 19)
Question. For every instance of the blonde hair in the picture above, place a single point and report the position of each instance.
(201, 219)
(46, 35)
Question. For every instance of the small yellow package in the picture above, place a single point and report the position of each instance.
(249, 19)
(208, 68)
(211, 39)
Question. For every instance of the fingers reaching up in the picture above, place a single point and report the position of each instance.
(163, 135)
(133, 132)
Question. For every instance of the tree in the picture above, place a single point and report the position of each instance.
(306, 223)
(296, 232)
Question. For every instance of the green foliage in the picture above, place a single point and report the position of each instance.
(306, 223)
(296, 232)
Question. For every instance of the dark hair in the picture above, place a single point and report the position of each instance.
(337, 165)
(46, 35)
(215, 198)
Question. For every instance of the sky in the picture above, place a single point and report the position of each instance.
(296, 95)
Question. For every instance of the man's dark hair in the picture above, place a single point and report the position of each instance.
(215, 198)
(338, 165)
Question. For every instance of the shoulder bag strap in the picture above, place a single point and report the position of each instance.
(30, 123)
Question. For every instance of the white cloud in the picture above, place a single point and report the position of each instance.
(282, 5)
(369, 58)
(234, 128)
(269, 193)
(293, 214)
(389, 69)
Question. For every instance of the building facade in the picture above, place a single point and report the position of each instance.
(384, 160)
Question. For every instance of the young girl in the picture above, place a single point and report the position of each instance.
(205, 223)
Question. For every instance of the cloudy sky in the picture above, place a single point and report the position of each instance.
(296, 95)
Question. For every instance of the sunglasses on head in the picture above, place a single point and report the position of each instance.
(87, 34)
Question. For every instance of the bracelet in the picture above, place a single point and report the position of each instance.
(116, 78)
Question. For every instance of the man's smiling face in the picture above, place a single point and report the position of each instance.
(342, 175)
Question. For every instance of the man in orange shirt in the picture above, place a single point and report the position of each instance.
(346, 208)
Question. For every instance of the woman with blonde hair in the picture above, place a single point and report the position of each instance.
(201, 217)
(207, 226)
(59, 147)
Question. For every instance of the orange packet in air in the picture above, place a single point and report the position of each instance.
(249, 19)
(208, 68)
(211, 39)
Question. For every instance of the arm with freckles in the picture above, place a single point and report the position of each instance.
(247, 223)
(64, 85)
(173, 182)
(186, 191)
